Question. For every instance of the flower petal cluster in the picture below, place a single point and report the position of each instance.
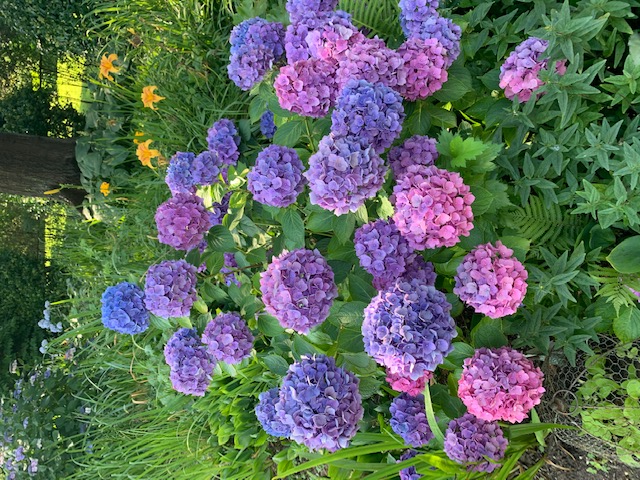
(421, 270)
(182, 221)
(205, 168)
(220, 209)
(223, 141)
(408, 328)
(409, 473)
(228, 338)
(432, 207)
(298, 289)
(422, 70)
(229, 264)
(404, 383)
(123, 309)
(276, 178)
(500, 384)
(414, 12)
(320, 402)
(445, 31)
(107, 67)
(307, 87)
(334, 37)
(149, 97)
(471, 440)
(416, 150)
(409, 419)
(491, 280)
(372, 112)
(179, 176)
(267, 125)
(343, 173)
(170, 288)
(369, 59)
(266, 413)
(191, 364)
(298, 9)
(519, 73)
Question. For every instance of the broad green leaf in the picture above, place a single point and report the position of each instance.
(488, 333)
(627, 325)
(360, 289)
(457, 85)
(276, 364)
(220, 239)
(625, 257)
(293, 227)
(269, 325)
(289, 133)
(343, 226)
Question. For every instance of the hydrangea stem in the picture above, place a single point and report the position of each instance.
(431, 417)
(311, 142)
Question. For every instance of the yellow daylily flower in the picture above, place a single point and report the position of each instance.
(138, 134)
(145, 154)
(104, 188)
(107, 67)
(149, 98)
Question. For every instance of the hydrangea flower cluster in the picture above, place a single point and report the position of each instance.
(404, 383)
(408, 329)
(223, 141)
(369, 59)
(419, 269)
(372, 112)
(228, 338)
(220, 209)
(470, 440)
(320, 402)
(182, 221)
(295, 37)
(123, 309)
(266, 413)
(297, 9)
(500, 384)
(519, 73)
(179, 177)
(445, 31)
(409, 419)
(46, 323)
(267, 126)
(298, 289)
(416, 150)
(308, 87)
(423, 68)
(170, 288)
(276, 178)
(191, 365)
(414, 12)
(205, 169)
(230, 263)
(491, 280)
(409, 473)
(432, 207)
(334, 36)
(343, 173)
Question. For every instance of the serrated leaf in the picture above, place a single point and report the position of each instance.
(289, 133)
(343, 226)
(627, 325)
(293, 227)
(220, 239)
(457, 85)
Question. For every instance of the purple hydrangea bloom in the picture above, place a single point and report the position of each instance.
(500, 384)
(267, 126)
(220, 209)
(417, 150)
(418, 268)
(409, 473)
(239, 32)
(409, 420)
(408, 328)
(298, 289)
(307, 87)
(191, 364)
(276, 178)
(266, 413)
(470, 440)
(228, 338)
(343, 173)
(519, 73)
(32, 469)
(123, 309)
(229, 275)
(423, 70)
(369, 59)
(206, 168)
(19, 454)
(321, 403)
(414, 12)
(404, 383)
(223, 141)
(298, 9)
(445, 31)
(179, 176)
(372, 112)
(170, 288)
(182, 221)
(432, 207)
(491, 280)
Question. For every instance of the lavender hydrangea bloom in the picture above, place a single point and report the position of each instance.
(423, 68)
(432, 207)
(343, 173)
(239, 32)
(321, 403)
(409, 473)
(267, 126)
(500, 384)
(191, 365)
(266, 413)
(417, 150)
(228, 338)
(408, 328)
(369, 59)
(491, 280)
(470, 440)
(170, 288)
(230, 276)
(372, 112)
(298, 9)
(206, 168)
(276, 178)
(220, 209)
(421, 270)
(445, 31)
(123, 309)
(179, 176)
(414, 12)
(182, 221)
(298, 289)
(409, 420)
(223, 141)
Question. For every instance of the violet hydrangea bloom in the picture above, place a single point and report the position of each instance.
(206, 168)
(123, 309)
(404, 383)
(419, 269)
(191, 365)
(229, 264)
(266, 413)
(491, 280)
(276, 178)
(369, 59)
(223, 141)
(334, 37)
(297, 9)
(414, 12)
(267, 126)
(409, 473)
(343, 173)
(239, 32)
(472, 441)
(416, 150)
(170, 288)
(445, 31)
(228, 338)
(500, 384)
(220, 209)
(182, 221)
(409, 420)
(408, 328)
(423, 68)
(298, 289)
(321, 403)
(179, 176)
(372, 112)
(432, 207)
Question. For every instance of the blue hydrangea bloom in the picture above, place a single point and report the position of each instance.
(409, 419)
(299, 8)
(179, 177)
(190, 362)
(206, 168)
(123, 309)
(267, 126)
(414, 12)
(266, 413)
(409, 473)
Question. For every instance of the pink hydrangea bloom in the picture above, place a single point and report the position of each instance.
(404, 383)
(491, 280)
(432, 207)
(417, 150)
(500, 384)
(369, 59)
(423, 68)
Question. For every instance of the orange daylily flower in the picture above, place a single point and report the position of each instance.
(106, 66)
(149, 98)
(145, 154)
(138, 134)
(104, 188)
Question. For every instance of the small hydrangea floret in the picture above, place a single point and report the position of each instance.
(409, 420)
(123, 309)
(182, 221)
(404, 383)
(170, 288)
(276, 178)
(266, 413)
(191, 365)
(228, 338)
